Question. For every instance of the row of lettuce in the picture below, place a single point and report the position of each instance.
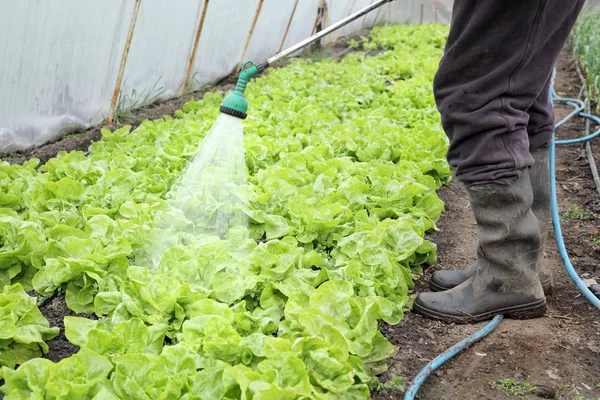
(344, 160)
(586, 46)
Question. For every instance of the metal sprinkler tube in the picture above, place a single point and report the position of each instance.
(236, 104)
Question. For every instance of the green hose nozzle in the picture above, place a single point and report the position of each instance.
(236, 104)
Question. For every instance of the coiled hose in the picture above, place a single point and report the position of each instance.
(437, 362)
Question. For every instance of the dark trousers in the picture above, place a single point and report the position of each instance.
(492, 84)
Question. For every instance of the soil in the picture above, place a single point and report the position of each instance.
(558, 354)
(55, 310)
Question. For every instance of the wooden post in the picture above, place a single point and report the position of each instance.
(256, 15)
(327, 21)
(287, 29)
(113, 103)
(318, 27)
(195, 49)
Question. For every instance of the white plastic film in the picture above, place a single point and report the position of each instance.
(160, 50)
(59, 59)
(303, 23)
(58, 64)
(223, 38)
(269, 30)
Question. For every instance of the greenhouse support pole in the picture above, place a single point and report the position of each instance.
(113, 103)
(318, 26)
(256, 15)
(327, 22)
(287, 29)
(195, 49)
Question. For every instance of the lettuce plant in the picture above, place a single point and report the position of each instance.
(344, 160)
(23, 329)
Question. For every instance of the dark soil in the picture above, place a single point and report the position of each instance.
(560, 353)
(55, 311)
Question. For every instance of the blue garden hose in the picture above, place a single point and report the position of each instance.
(437, 362)
(448, 354)
(555, 216)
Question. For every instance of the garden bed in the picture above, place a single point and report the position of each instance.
(559, 355)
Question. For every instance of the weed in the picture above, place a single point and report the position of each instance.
(565, 389)
(576, 213)
(586, 46)
(396, 384)
(9, 157)
(134, 101)
(318, 55)
(196, 84)
(512, 387)
(75, 134)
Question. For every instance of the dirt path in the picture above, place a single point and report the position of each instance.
(560, 353)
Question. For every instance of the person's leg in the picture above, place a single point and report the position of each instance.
(497, 62)
(539, 130)
(540, 126)
(540, 183)
(505, 281)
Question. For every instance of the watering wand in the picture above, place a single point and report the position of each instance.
(236, 104)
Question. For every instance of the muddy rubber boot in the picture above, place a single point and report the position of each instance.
(542, 208)
(505, 281)
(540, 183)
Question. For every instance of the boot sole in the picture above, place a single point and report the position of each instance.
(548, 288)
(524, 311)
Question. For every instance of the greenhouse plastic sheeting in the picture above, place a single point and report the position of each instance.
(59, 60)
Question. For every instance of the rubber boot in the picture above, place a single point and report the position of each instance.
(542, 208)
(505, 280)
(540, 183)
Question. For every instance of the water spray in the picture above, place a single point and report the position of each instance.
(236, 104)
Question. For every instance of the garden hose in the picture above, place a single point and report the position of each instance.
(448, 354)
(578, 107)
